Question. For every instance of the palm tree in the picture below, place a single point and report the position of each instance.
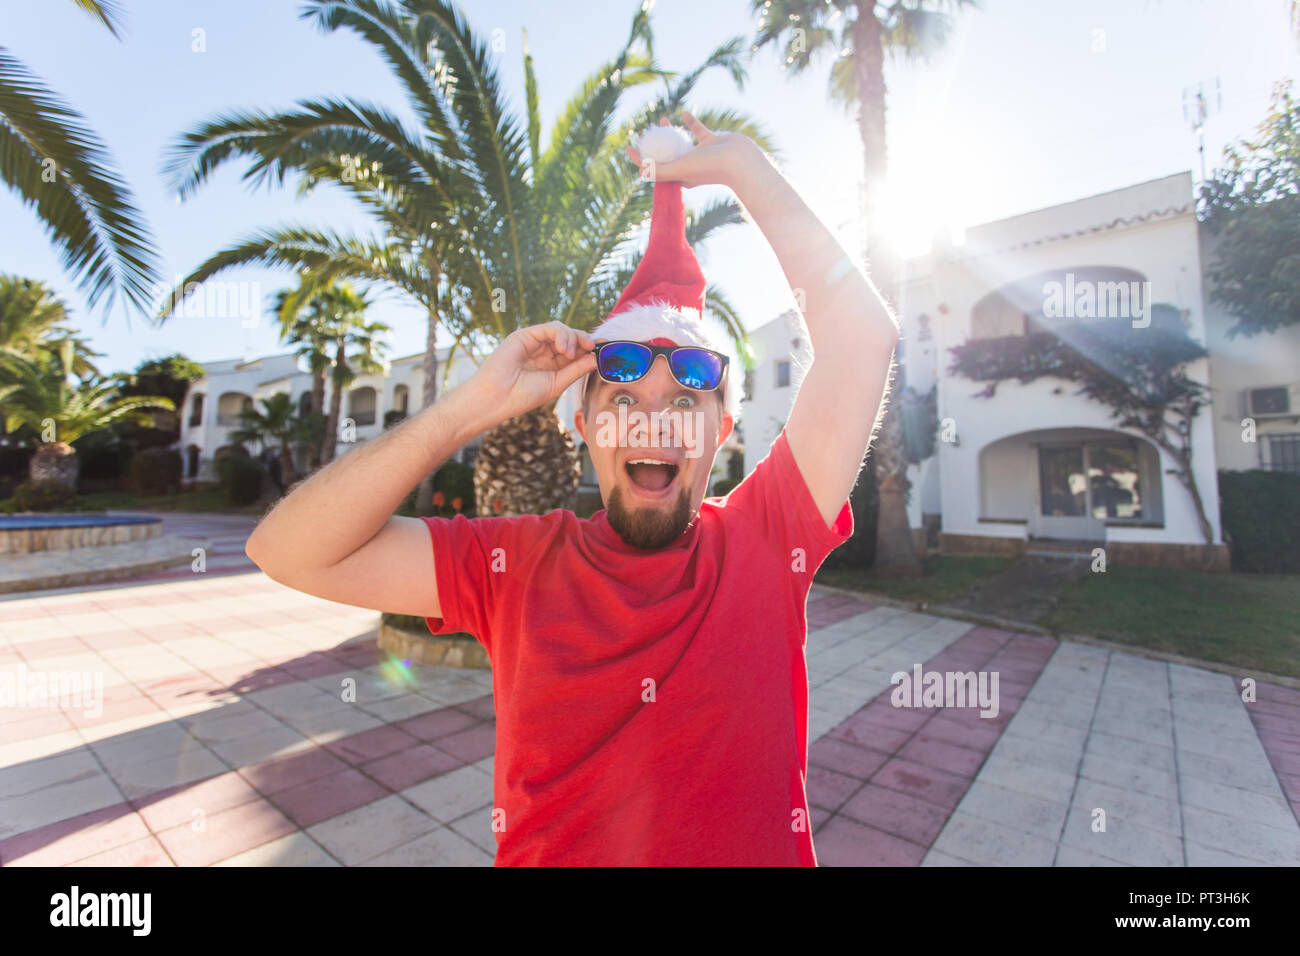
(483, 227)
(31, 319)
(42, 397)
(56, 164)
(860, 33)
(276, 422)
(358, 348)
(304, 327)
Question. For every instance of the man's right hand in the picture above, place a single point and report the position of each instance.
(532, 366)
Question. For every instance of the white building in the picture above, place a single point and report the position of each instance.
(1037, 462)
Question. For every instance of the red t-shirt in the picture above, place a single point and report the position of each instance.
(577, 624)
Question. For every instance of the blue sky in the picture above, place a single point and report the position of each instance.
(1034, 102)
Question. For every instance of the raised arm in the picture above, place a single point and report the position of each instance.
(853, 334)
(335, 535)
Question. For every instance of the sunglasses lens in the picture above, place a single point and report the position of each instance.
(624, 361)
(697, 368)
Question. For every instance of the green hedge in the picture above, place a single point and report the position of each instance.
(156, 471)
(241, 479)
(1260, 512)
(44, 496)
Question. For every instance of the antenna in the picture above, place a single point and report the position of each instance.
(1199, 102)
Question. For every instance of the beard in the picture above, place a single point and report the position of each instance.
(650, 528)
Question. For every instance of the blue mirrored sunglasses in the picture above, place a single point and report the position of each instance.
(621, 362)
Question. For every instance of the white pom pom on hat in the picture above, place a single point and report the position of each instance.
(663, 144)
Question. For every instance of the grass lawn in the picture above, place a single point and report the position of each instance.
(943, 576)
(1250, 620)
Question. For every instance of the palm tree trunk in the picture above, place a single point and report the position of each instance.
(318, 408)
(330, 439)
(286, 463)
(895, 550)
(54, 461)
(424, 496)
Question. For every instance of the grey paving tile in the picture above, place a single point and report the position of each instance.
(371, 830)
(1128, 806)
(1122, 841)
(1229, 834)
(452, 795)
(1015, 809)
(986, 843)
(442, 847)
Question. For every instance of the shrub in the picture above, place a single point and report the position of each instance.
(44, 496)
(453, 482)
(241, 479)
(723, 486)
(1260, 511)
(860, 550)
(156, 471)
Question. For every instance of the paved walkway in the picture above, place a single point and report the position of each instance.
(224, 740)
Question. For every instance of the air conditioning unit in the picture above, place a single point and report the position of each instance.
(1279, 401)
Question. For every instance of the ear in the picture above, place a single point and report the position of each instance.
(580, 423)
(728, 423)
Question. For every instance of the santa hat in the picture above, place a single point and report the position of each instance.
(663, 304)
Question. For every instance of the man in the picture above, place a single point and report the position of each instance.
(648, 663)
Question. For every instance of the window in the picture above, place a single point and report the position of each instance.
(361, 405)
(1284, 453)
(196, 411)
(1094, 479)
(782, 374)
(229, 407)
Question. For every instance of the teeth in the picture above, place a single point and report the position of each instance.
(649, 461)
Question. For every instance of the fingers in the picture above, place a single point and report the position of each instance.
(695, 126)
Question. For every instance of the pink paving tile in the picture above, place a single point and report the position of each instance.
(55, 844)
(370, 744)
(844, 842)
(109, 640)
(41, 722)
(829, 789)
(882, 711)
(243, 679)
(146, 851)
(113, 711)
(470, 745)
(845, 758)
(310, 803)
(51, 647)
(965, 731)
(176, 805)
(413, 765)
(480, 707)
(297, 769)
(313, 665)
(21, 612)
(931, 784)
(866, 733)
(1276, 694)
(959, 760)
(226, 834)
(904, 816)
(437, 723)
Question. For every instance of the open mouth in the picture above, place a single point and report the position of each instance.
(650, 474)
